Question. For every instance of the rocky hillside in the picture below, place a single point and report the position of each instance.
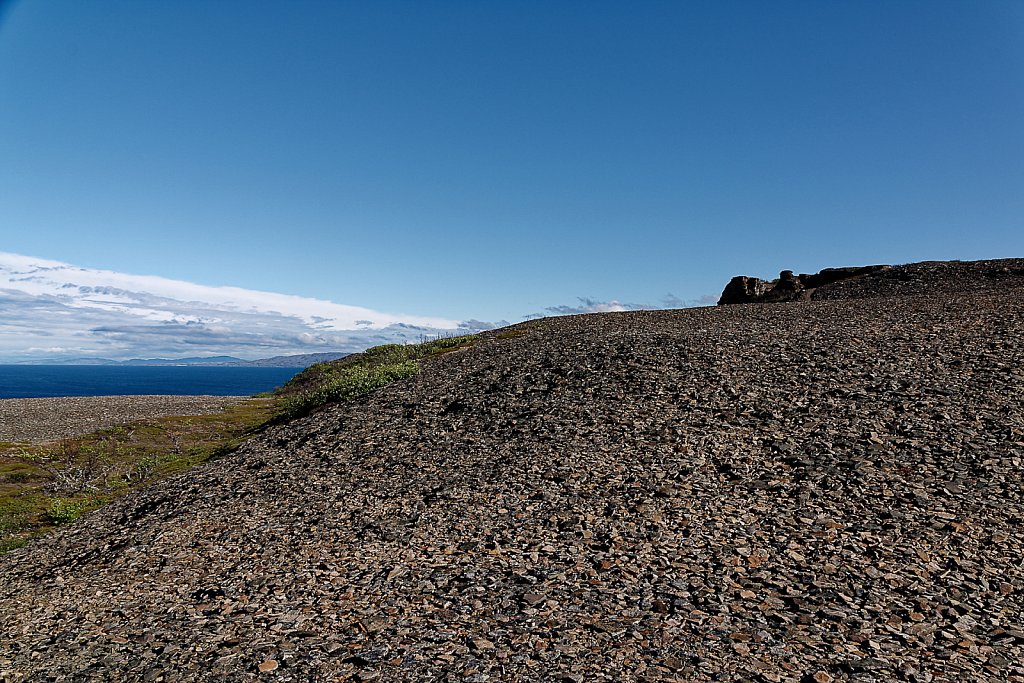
(826, 491)
(928, 277)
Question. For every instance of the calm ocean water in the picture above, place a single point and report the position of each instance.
(41, 381)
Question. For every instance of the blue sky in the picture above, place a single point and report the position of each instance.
(484, 160)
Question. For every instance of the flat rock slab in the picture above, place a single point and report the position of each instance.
(37, 420)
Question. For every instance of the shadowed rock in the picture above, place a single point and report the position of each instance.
(743, 289)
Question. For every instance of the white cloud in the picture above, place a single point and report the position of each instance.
(123, 292)
(48, 307)
(589, 305)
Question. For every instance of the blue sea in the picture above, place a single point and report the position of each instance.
(42, 381)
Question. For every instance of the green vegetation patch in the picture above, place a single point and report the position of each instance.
(47, 485)
(361, 373)
(63, 511)
(348, 383)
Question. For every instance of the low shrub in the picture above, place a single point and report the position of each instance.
(63, 511)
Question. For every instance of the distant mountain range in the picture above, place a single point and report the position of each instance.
(297, 361)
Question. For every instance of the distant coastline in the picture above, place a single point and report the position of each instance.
(52, 381)
(303, 360)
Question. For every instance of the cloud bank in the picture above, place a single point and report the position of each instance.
(589, 305)
(51, 311)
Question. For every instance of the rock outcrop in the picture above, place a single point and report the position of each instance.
(858, 282)
(788, 287)
(939, 278)
(743, 290)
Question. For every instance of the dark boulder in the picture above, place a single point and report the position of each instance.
(743, 290)
(788, 287)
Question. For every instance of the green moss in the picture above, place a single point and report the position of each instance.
(20, 505)
(18, 472)
(10, 543)
(20, 514)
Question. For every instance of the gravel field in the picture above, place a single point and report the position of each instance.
(37, 420)
(809, 492)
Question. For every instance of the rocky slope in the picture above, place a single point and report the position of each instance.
(825, 491)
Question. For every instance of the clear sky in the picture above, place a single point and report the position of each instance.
(493, 160)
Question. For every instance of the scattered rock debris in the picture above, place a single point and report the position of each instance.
(822, 491)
